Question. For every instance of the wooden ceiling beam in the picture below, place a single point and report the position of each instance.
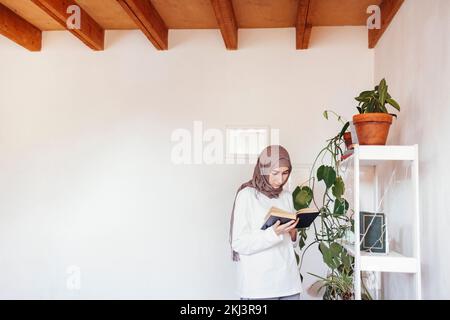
(90, 32)
(303, 27)
(389, 9)
(19, 30)
(226, 19)
(148, 20)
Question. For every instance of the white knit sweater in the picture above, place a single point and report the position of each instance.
(267, 266)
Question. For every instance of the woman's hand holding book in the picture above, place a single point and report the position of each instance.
(284, 228)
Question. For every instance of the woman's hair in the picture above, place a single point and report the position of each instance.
(270, 158)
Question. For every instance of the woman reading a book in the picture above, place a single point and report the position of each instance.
(267, 268)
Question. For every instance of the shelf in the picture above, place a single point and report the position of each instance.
(371, 155)
(374, 156)
(392, 262)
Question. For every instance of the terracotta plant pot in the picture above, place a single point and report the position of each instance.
(372, 128)
(348, 139)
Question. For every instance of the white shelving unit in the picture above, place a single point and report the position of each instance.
(393, 261)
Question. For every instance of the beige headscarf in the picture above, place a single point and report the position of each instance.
(271, 157)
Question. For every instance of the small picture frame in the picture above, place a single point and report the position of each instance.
(373, 232)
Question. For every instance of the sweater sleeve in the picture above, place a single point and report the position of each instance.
(246, 241)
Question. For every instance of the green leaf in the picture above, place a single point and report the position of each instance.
(364, 106)
(362, 99)
(377, 105)
(346, 260)
(297, 258)
(366, 93)
(338, 188)
(340, 207)
(393, 103)
(301, 243)
(325, 114)
(326, 255)
(335, 250)
(344, 129)
(371, 106)
(319, 277)
(330, 255)
(303, 237)
(327, 174)
(382, 92)
(302, 197)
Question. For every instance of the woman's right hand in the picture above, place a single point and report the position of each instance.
(284, 228)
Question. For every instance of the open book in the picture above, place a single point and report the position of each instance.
(306, 217)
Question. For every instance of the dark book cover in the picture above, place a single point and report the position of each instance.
(306, 219)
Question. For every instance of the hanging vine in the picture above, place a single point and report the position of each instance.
(335, 218)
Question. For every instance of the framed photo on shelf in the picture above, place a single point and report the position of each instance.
(373, 232)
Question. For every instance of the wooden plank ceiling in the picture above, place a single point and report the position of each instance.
(156, 17)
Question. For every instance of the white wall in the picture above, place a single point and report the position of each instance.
(86, 177)
(414, 56)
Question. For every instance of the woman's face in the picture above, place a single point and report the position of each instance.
(278, 177)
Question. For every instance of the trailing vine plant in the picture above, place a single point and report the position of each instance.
(336, 218)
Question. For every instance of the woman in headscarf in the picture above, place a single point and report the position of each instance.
(267, 268)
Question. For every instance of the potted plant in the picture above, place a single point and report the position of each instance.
(373, 122)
